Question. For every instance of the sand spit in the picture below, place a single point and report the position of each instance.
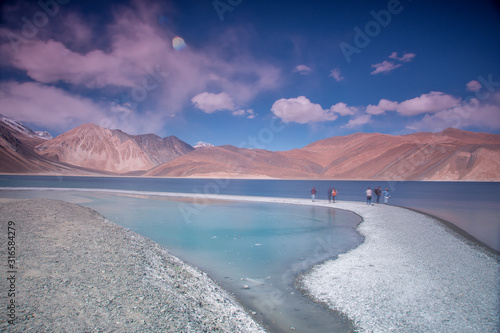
(411, 274)
(77, 272)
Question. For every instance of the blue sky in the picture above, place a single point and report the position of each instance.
(268, 74)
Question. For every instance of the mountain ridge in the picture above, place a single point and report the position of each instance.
(451, 154)
(96, 147)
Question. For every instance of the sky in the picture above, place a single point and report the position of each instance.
(275, 75)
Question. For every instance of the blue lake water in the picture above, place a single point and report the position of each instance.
(472, 206)
(254, 250)
(264, 246)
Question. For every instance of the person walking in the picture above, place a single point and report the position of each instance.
(313, 194)
(369, 194)
(378, 193)
(334, 194)
(387, 195)
(329, 193)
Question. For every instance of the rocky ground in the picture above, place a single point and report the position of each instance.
(74, 271)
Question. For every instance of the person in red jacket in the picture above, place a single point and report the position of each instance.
(313, 194)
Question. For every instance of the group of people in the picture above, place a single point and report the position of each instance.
(378, 192)
(331, 193)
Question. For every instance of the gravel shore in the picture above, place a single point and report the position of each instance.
(411, 274)
(75, 271)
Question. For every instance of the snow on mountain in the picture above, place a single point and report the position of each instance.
(201, 144)
(22, 129)
(44, 135)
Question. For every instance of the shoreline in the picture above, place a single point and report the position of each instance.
(300, 201)
(410, 274)
(317, 282)
(76, 270)
(251, 177)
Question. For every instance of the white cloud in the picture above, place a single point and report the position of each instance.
(301, 110)
(336, 74)
(432, 102)
(475, 113)
(249, 114)
(210, 103)
(387, 66)
(383, 106)
(302, 69)
(474, 86)
(359, 121)
(344, 110)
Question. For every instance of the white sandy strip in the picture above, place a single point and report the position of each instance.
(410, 274)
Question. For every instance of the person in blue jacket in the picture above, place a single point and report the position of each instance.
(387, 195)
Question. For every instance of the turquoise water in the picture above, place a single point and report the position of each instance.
(254, 250)
(472, 206)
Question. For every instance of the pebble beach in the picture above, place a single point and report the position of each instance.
(75, 271)
(411, 274)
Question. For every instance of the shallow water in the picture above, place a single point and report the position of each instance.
(472, 206)
(252, 249)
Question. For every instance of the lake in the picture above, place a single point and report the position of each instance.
(253, 249)
(471, 206)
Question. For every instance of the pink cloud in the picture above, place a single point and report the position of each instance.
(302, 69)
(384, 67)
(57, 110)
(336, 74)
(387, 66)
(474, 86)
(136, 52)
(47, 106)
(407, 57)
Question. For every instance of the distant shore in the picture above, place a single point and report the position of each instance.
(73, 270)
(250, 177)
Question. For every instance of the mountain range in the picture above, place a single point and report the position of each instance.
(90, 149)
(99, 148)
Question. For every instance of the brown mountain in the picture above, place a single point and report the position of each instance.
(89, 149)
(230, 161)
(17, 153)
(449, 155)
(95, 147)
